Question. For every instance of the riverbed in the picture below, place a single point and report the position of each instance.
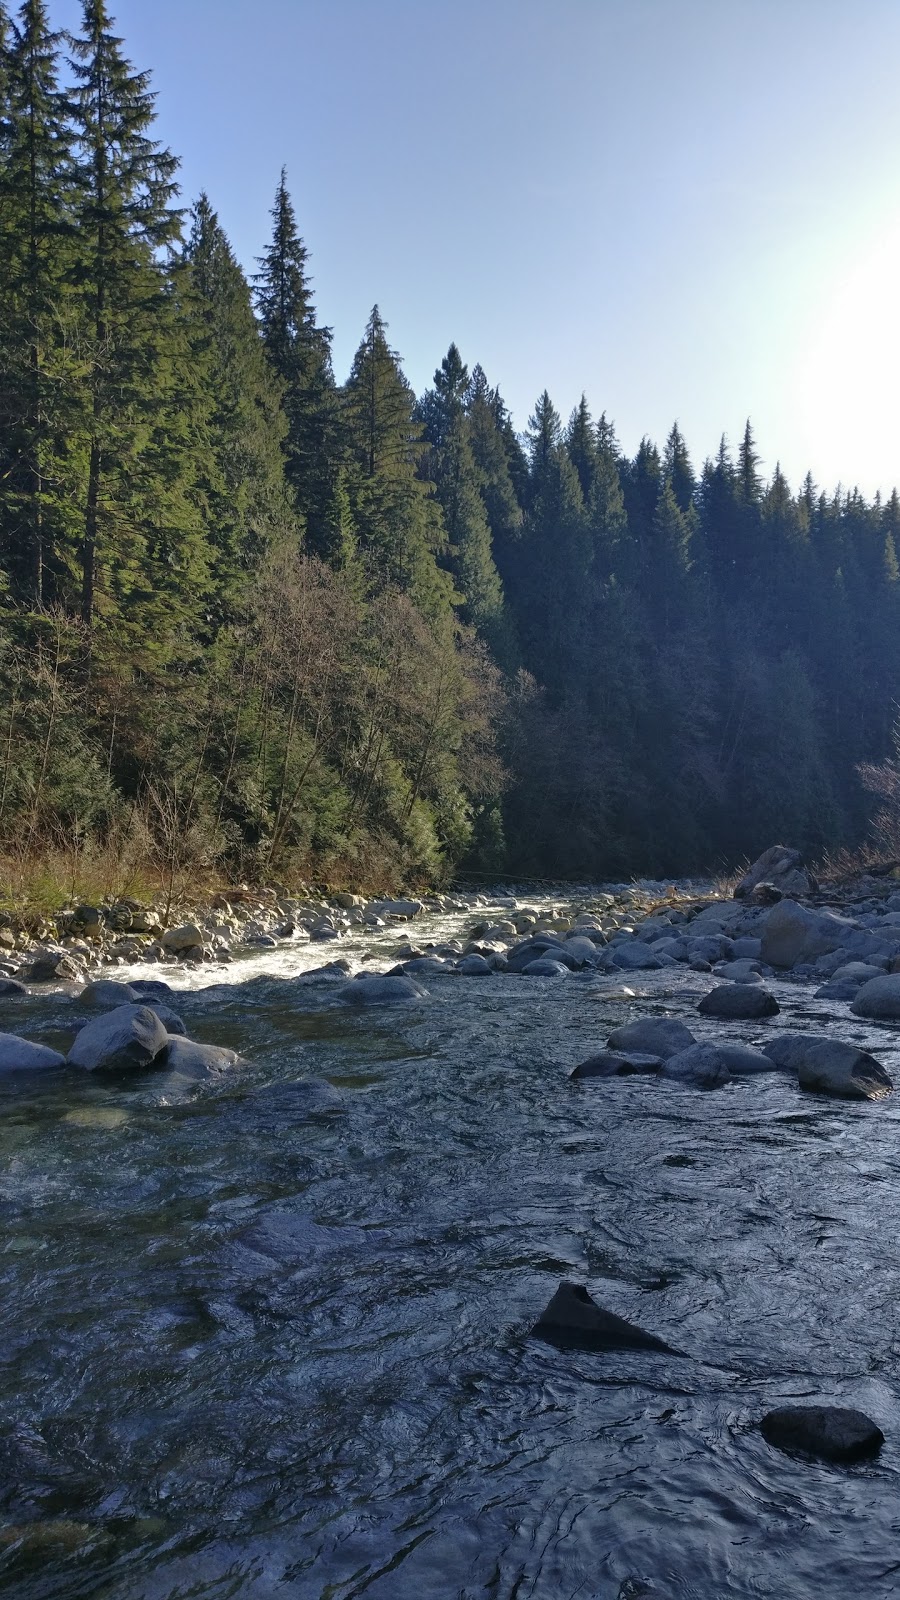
(255, 1349)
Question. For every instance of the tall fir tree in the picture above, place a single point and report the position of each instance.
(35, 356)
(300, 353)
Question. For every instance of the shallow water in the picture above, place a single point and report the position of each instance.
(253, 1352)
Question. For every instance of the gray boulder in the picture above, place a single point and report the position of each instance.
(739, 1001)
(793, 934)
(475, 967)
(700, 1065)
(53, 966)
(654, 1036)
(634, 957)
(20, 1055)
(573, 1321)
(581, 951)
(616, 1064)
(746, 949)
(879, 998)
(195, 1060)
(10, 987)
(151, 988)
(545, 967)
(366, 990)
(130, 1036)
(833, 1067)
(709, 947)
(742, 1060)
(860, 970)
(782, 868)
(838, 989)
(834, 1433)
(173, 1024)
(105, 994)
(739, 971)
(419, 966)
(179, 940)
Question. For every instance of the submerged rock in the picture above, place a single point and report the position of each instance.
(129, 1037)
(10, 987)
(739, 1000)
(879, 998)
(655, 1036)
(831, 1432)
(616, 1064)
(373, 990)
(573, 1321)
(20, 1055)
(700, 1064)
(196, 1060)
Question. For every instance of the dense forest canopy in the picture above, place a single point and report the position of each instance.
(251, 614)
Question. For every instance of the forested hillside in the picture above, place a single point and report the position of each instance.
(253, 615)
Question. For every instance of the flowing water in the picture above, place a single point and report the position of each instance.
(256, 1350)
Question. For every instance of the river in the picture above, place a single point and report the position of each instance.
(254, 1352)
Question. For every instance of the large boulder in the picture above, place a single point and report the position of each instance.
(53, 966)
(739, 1001)
(573, 1321)
(780, 867)
(833, 1067)
(701, 1065)
(195, 1060)
(632, 956)
(373, 990)
(654, 1036)
(20, 1055)
(396, 908)
(128, 1037)
(616, 1064)
(793, 934)
(879, 998)
(834, 1433)
(179, 940)
(545, 967)
(742, 1060)
(104, 994)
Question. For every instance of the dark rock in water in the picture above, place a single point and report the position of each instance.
(332, 969)
(104, 994)
(545, 967)
(742, 1060)
(20, 1055)
(130, 1036)
(10, 987)
(529, 950)
(573, 1321)
(780, 868)
(831, 1432)
(654, 1036)
(366, 990)
(879, 998)
(196, 1060)
(616, 1064)
(700, 1065)
(419, 965)
(833, 1067)
(739, 1000)
(633, 956)
(838, 989)
(303, 1097)
(793, 934)
(476, 967)
(151, 988)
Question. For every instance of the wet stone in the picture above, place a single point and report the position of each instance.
(573, 1321)
(832, 1433)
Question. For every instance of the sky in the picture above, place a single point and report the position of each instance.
(685, 209)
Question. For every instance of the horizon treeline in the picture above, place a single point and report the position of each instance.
(252, 615)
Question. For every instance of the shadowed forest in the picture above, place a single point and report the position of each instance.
(254, 615)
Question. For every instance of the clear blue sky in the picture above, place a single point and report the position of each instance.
(685, 208)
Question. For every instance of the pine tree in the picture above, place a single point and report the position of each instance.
(140, 517)
(677, 468)
(395, 515)
(581, 443)
(35, 195)
(300, 352)
(248, 500)
(450, 464)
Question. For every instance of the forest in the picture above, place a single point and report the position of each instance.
(258, 619)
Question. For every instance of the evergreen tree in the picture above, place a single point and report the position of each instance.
(142, 527)
(395, 515)
(581, 444)
(300, 352)
(35, 397)
(450, 464)
(489, 430)
(677, 468)
(247, 498)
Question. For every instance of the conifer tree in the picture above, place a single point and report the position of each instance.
(677, 468)
(138, 441)
(395, 515)
(450, 464)
(247, 500)
(300, 352)
(35, 194)
(581, 444)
